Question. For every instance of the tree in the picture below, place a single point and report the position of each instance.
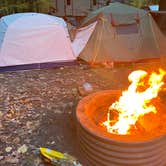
(44, 5)
(162, 17)
(17, 6)
(138, 3)
(162, 5)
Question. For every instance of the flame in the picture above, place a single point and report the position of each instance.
(133, 103)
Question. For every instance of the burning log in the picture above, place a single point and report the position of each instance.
(149, 122)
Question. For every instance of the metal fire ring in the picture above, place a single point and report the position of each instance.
(105, 149)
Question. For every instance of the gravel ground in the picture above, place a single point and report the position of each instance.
(37, 108)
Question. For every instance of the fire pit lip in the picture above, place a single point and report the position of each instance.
(92, 128)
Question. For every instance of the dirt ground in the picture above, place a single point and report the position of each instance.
(37, 108)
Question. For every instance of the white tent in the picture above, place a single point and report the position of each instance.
(81, 38)
(33, 38)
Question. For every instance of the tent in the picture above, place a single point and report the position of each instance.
(33, 40)
(122, 34)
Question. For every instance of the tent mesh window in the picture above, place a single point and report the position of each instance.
(127, 29)
(125, 24)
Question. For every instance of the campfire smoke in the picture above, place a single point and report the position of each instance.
(135, 102)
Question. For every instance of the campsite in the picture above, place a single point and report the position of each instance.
(46, 69)
(41, 118)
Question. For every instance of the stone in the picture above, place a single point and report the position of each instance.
(85, 89)
(87, 86)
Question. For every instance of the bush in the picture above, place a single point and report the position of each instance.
(17, 6)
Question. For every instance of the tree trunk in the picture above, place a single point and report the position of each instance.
(162, 17)
(162, 5)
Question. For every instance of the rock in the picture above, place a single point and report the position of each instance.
(85, 89)
(22, 149)
(8, 149)
(87, 86)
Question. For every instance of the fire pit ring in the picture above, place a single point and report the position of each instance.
(106, 149)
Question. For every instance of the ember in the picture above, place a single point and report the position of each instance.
(134, 102)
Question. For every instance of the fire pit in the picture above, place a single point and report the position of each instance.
(102, 148)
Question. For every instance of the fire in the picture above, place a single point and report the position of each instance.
(134, 103)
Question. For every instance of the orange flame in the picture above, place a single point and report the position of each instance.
(133, 104)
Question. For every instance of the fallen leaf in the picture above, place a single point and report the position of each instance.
(22, 149)
(8, 149)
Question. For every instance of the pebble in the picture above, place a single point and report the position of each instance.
(85, 89)
(87, 86)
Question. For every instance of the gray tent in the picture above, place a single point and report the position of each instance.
(122, 34)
